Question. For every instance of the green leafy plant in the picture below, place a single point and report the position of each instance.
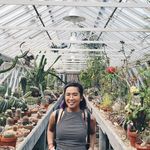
(145, 89)
(90, 77)
(37, 76)
(137, 117)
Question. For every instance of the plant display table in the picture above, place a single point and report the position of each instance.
(38, 134)
(115, 134)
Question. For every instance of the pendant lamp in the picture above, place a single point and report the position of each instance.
(74, 16)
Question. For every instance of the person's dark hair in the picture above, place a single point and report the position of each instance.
(80, 88)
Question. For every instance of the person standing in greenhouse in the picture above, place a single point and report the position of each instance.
(72, 126)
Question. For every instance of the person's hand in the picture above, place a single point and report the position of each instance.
(52, 148)
(90, 148)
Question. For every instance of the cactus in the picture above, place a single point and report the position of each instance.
(38, 75)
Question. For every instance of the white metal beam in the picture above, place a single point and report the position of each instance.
(76, 29)
(80, 50)
(31, 41)
(79, 4)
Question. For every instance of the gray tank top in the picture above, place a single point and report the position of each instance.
(71, 132)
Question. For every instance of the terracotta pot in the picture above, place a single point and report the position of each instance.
(45, 105)
(27, 113)
(132, 137)
(11, 141)
(139, 147)
(16, 119)
(106, 108)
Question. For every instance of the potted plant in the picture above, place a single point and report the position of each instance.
(106, 102)
(8, 138)
(136, 120)
(144, 140)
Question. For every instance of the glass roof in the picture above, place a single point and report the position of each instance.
(41, 26)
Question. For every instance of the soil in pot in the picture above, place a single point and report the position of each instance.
(7, 148)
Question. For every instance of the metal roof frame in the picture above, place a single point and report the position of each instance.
(41, 26)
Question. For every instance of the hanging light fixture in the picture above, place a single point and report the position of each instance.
(74, 16)
(73, 36)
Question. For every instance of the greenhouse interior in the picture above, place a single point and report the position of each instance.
(102, 44)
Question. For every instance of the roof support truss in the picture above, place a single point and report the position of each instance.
(79, 4)
(77, 29)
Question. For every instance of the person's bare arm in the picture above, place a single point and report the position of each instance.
(50, 131)
(92, 133)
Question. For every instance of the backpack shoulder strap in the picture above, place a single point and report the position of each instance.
(88, 115)
(88, 121)
(56, 116)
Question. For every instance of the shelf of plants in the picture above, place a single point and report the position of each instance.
(120, 100)
(30, 141)
(117, 137)
(25, 128)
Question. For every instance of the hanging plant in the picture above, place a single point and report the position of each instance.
(14, 62)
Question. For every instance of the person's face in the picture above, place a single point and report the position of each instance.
(72, 98)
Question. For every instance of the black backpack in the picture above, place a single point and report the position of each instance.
(88, 127)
